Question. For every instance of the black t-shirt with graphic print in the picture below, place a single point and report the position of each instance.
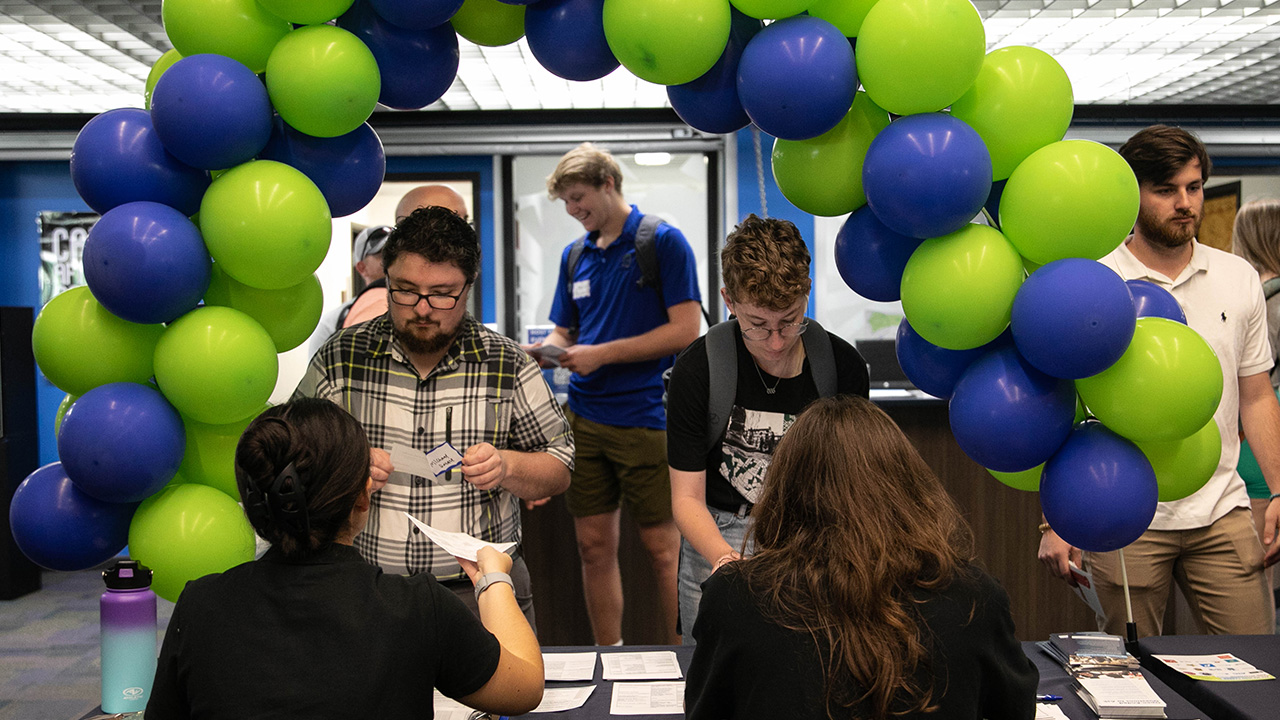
(735, 466)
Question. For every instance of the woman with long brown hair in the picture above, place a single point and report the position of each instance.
(861, 599)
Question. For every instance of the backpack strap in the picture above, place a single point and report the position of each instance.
(822, 358)
(722, 367)
(571, 266)
(647, 253)
(1270, 287)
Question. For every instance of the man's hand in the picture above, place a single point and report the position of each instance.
(1270, 534)
(380, 467)
(1056, 554)
(484, 467)
(583, 359)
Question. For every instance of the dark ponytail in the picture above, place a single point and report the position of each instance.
(300, 467)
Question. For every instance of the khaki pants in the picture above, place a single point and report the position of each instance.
(1218, 568)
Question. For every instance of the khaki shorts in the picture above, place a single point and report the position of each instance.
(617, 464)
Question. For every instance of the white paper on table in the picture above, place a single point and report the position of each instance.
(1049, 711)
(570, 667)
(446, 708)
(414, 462)
(647, 698)
(653, 665)
(561, 699)
(1086, 590)
(1214, 668)
(455, 543)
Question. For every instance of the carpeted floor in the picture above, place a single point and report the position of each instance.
(49, 657)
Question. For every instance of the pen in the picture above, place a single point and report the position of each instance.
(448, 435)
(1048, 698)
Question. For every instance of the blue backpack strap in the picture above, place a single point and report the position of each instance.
(722, 386)
(822, 358)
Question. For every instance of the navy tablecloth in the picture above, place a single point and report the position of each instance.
(1254, 700)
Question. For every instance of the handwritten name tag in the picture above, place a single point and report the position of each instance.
(442, 458)
(581, 289)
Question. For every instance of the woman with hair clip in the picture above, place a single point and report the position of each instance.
(311, 630)
(861, 599)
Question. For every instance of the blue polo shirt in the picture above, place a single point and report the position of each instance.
(603, 300)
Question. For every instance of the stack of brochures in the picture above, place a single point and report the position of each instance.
(1107, 677)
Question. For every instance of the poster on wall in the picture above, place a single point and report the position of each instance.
(62, 237)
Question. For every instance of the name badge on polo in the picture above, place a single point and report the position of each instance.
(581, 289)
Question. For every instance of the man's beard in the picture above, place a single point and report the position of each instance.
(419, 345)
(1165, 234)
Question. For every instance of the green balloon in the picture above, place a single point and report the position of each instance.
(210, 458)
(289, 315)
(1075, 198)
(187, 531)
(63, 407)
(306, 12)
(668, 42)
(1026, 480)
(770, 9)
(216, 365)
(957, 290)
(240, 29)
(846, 15)
(1166, 386)
(164, 63)
(917, 56)
(79, 345)
(1184, 466)
(266, 224)
(1021, 101)
(823, 175)
(489, 22)
(323, 81)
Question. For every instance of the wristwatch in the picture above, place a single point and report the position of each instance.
(490, 578)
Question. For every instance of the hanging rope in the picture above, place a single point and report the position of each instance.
(755, 140)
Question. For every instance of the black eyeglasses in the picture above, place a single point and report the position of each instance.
(438, 301)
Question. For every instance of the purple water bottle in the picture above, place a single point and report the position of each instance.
(128, 637)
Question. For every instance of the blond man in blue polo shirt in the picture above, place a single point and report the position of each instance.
(620, 334)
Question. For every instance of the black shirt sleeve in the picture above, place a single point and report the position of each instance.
(687, 409)
(469, 653)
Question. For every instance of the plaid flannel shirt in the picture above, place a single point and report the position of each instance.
(485, 389)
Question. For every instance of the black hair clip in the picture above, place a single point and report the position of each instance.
(288, 502)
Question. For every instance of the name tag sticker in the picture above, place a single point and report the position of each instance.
(442, 458)
(581, 289)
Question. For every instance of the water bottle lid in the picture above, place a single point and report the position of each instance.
(127, 575)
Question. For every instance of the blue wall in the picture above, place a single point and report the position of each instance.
(26, 189)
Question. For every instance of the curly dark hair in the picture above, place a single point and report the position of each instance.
(440, 236)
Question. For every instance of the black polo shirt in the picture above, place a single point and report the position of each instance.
(327, 637)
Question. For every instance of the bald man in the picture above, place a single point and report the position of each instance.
(431, 195)
(370, 305)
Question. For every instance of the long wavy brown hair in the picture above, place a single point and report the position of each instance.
(850, 523)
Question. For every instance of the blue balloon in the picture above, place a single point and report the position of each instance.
(1098, 492)
(1151, 300)
(710, 103)
(146, 263)
(211, 111)
(520, 2)
(1007, 415)
(797, 78)
(933, 369)
(121, 442)
(1073, 318)
(567, 38)
(59, 527)
(348, 169)
(927, 175)
(417, 65)
(871, 257)
(118, 158)
(415, 14)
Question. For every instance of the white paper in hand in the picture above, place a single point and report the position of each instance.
(457, 544)
(1085, 589)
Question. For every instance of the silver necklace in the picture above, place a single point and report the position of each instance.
(767, 389)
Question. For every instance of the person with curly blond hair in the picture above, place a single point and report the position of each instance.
(765, 265)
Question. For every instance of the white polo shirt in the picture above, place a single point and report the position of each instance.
(1222, 297)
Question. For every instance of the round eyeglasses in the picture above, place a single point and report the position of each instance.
(760, 334)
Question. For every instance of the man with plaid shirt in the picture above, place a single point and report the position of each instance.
(428, 374)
